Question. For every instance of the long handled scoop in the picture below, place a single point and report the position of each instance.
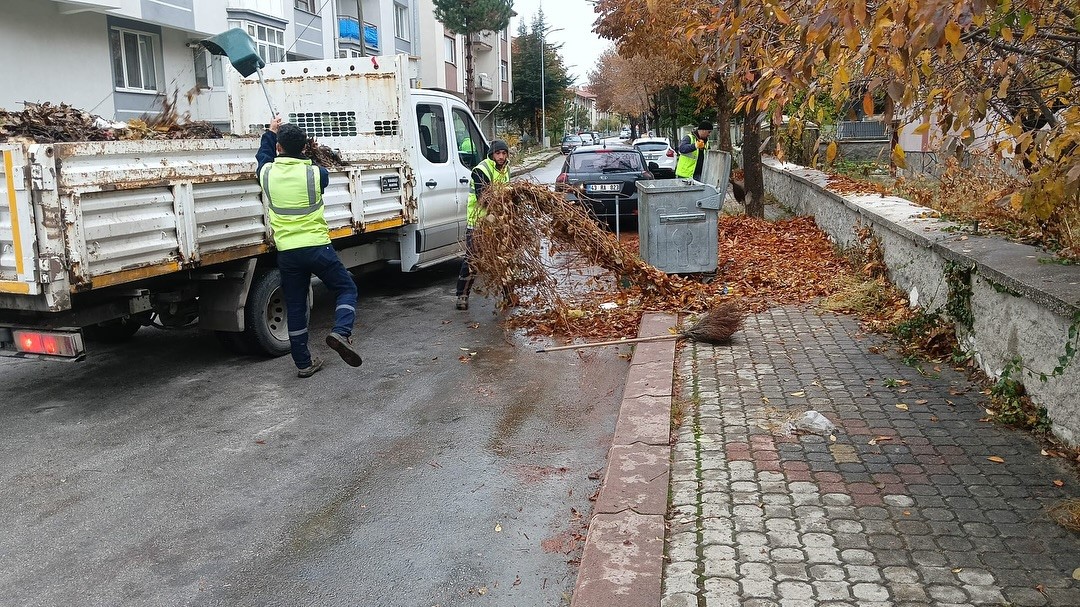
(238, 46)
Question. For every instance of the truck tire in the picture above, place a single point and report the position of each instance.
(266, 327)
(113, 331)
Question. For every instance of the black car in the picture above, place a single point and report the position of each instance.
(603, 178)
(569, 143)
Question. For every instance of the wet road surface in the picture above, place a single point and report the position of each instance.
(452, 468)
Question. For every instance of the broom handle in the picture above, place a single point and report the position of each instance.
(613, 342)
(273, 111)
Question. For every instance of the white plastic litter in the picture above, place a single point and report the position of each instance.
(812, 422)
(608, 305)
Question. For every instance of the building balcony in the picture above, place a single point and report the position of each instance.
(349, 32)
(68, 7)
(482, 42)
(484, 83)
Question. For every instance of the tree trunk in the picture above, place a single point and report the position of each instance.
(723, 112)
(755, 183)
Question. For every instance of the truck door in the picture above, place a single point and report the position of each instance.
(471, 149)
(438, 182)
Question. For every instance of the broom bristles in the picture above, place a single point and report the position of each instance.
(718, 324)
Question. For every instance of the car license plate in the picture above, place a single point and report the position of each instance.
(604, 187)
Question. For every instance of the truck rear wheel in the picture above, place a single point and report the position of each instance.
(266, 326)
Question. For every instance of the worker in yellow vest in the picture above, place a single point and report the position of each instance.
(691, 149)
(494, 169)
(292, 188)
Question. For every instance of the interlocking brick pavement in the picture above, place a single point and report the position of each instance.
(902, 508)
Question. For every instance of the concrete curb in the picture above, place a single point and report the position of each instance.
(623, 561)
(534, 161)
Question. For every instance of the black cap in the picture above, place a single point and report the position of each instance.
(498, 145)
(704, 125)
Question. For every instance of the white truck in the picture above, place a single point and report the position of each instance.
(110, 236)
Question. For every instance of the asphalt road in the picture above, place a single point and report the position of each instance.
(452, 468)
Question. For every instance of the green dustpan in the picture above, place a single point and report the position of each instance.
(238, 46)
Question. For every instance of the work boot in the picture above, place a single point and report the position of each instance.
(312, 369)
(462, 302)
(343, 346)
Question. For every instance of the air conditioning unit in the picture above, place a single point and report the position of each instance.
(483, 81)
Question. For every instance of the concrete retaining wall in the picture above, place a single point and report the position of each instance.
(1021, 308)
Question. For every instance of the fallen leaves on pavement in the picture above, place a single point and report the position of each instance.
(562, 271)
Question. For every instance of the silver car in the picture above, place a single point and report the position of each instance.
(658, 150)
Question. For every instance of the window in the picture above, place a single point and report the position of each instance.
(135, 58)
(504, 72)
(450, 49)
(469, 142)
(269, 41)
(209, 72)
(432, 127)
(305, 5)
(401, 22)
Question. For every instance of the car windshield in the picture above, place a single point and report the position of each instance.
(605, 162)
(651, 146)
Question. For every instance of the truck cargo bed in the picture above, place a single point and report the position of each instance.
(94, 214)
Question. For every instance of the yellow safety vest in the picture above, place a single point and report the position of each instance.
(291, 189)
(688, 162)
(494, 175)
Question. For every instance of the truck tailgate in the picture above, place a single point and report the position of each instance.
(17, 232)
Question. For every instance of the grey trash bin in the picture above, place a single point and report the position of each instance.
(677, 225)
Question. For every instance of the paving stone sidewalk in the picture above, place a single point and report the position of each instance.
(903, 508)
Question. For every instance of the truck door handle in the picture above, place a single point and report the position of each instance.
(431, 183)
(463, 180)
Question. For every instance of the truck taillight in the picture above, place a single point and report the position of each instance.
(561, 178)
(49, 343)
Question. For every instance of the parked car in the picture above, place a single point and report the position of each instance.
(569, 142)
(603, 179)
(658, 150)
(624, 134)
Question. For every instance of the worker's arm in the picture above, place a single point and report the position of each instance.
(480, 181)
(687, 145)
(267, 150)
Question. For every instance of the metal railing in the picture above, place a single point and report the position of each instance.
(862, 129)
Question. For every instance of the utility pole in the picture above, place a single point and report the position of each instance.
(360, 24)
(543, 96)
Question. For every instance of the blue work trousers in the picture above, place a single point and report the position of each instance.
(296, 267)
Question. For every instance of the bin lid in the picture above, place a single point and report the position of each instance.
(658, 186)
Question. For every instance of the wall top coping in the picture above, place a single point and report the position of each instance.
(1020, 268)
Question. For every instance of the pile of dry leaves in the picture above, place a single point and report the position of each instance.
(48, 123)
(568, 276)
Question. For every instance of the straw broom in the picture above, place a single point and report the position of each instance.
(715, 327)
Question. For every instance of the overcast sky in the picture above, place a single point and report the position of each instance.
(580, 46)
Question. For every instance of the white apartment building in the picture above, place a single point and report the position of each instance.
(122, 58)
